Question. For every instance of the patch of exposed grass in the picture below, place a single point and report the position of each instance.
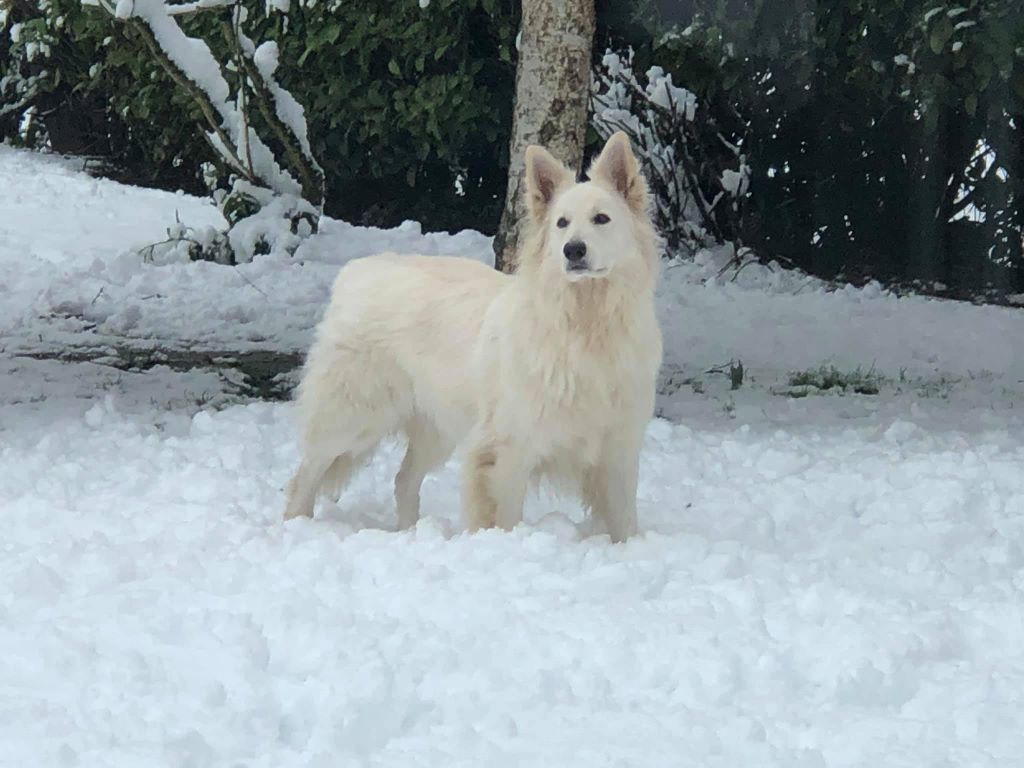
(830, 379)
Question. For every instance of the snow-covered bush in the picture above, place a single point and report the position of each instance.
(699, 178)
(408, 108)
(27, 41)
(266, 223)
(275, 196)
(17, 87)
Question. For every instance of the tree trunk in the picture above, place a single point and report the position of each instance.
(552, 92)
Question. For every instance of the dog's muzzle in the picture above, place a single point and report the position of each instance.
(575, 256)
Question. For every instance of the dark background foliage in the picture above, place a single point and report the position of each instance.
(884, 136)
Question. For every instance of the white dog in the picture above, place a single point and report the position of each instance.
(548, 372)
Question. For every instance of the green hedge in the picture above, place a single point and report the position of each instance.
(402, 100)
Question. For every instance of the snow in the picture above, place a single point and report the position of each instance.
(663, 93)
(820, 581)
(124, 9)
(270, 225)
(266, 58)
(736, 183)
(612, 63)
(191, 55)
(288, 109)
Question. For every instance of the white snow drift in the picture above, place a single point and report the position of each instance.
(823, 581)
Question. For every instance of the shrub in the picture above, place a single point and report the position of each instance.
(409, 107)
(699, 178)
(883, 139)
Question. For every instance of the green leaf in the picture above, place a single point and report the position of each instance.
(331, 33)
(984, 70)
(941, 32)
(393, 68)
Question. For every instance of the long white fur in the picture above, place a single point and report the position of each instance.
(545, 372)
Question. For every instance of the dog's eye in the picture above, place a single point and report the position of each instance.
(601, 218)
(562, 223)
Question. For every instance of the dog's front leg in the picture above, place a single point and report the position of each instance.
(610, 487)
(495, 477)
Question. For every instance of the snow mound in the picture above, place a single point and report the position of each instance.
(820, 580)
(797, 597)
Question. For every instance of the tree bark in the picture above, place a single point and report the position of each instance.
(552, 93)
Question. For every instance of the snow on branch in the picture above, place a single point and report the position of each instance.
(192, 64)
(286, 189)
(671, 138)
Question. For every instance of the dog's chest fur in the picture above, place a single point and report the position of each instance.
(578, 369)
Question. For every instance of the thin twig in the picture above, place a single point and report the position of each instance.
(250, 282)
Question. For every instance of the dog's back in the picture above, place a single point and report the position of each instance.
(399, 336)
(393, 353)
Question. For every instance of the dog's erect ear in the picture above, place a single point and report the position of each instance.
(617, 166)
(545, 176)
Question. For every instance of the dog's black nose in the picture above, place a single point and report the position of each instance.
(575, 251)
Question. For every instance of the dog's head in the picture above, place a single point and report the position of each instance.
(595, 228)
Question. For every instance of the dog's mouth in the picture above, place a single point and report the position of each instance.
(583, 270)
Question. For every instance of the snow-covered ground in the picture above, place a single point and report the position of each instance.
(822, 580)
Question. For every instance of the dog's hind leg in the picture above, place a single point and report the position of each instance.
(347, 404)
(426, 450)
(334, 474)
(303, 488)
